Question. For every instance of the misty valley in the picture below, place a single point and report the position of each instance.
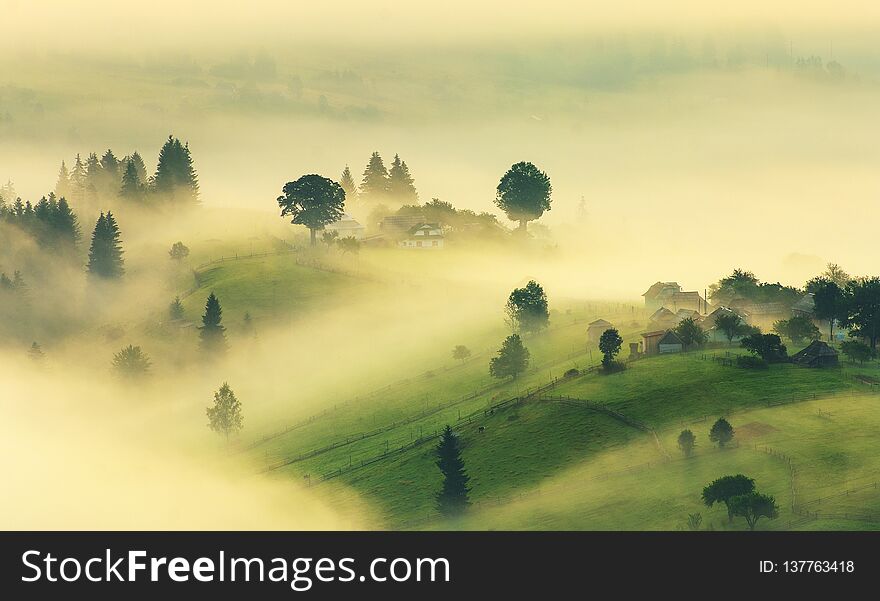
(605, 280)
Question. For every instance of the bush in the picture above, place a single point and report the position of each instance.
(610, 367)
(750, 362)
(571, 373)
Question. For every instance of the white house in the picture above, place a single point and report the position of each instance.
(347, 226)
(427, 236)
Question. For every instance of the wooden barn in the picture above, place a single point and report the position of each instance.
(817, 354)
(670, 343)
(595, 329)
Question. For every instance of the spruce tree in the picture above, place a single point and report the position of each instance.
(139, 165)
(175, 179)
(105, 253)
(94, 177)
(375, 182)
(36, 353)
(452, 499)
(62, 186)
(132, 189)
(78, 180)
(347, 183)
(175, 309)
(212, 333)
(400, 183)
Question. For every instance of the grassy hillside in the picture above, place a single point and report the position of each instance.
(529, 445)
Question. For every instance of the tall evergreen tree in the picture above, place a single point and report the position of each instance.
(374, 185)
(110, 164)
(212, 333)
(94, 176)
(175, 178)
(62, 186)
(78, 180)
(105, 253)
(400, 183)
(132, 188)
(348, 184)
(452, 499)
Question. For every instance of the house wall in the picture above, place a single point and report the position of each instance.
(651, 345)
(429, 244)
(669, 348)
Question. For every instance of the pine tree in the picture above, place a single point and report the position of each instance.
(452, 499)
(36, 353)
(105, 253)
(175, 309)
(78, 181)
(225, 417)
(131, 363)
(400, 183)
(110, 163)
(374, 185)
(66, 225)
(94, 176)
(175, 178)
(347, 183)
(212, 333)
(132, 189)
(138, 162)
(62, 186)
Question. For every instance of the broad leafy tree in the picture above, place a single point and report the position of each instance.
(797, 329)
(862, 309)
(768, 347)
(857, 351)
(829, 301)
(729, 324)
(686, 442)
(461, 353)
(691, 333)
(131, 363)
(524, 194)
(753, 506)
(726, 488)
(452, 500)
(224, 416)
(512, 359)
(179, 251)
(312, 201)
(609, 345)
(526, 309)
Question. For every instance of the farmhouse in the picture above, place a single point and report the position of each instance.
(671, 296)
(663, 319)
(595, 329)
(398, 226)
(427, 236)
(817, 354)
(346, 226)
(670, 343)
(805, 306)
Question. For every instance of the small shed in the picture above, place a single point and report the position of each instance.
(595, 329)
(817, 354)
(670, 343)
(651, 341)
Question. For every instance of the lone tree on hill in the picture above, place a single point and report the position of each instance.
(512, 359)
(829, 301)
(721, 432)
(375, 184)
(753, 506)
(797, 329)
(131, 363)
(691, 333)
(179, 251)
(726, 488)
(524, 194)
(686, 442)
(225, 417)
(526, 308)
(312, 201)
(729, 324)
(609, 345)
(105, 253)
(452, 500)
(175, 178)
(768, 347)
(175, 309)
(212, 333)
(461, 353)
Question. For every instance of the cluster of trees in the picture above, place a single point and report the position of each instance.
(743, 285)
(721, 433)
(461, 223)
(854, 304)
(380, 184)
(741, 499)
(51, 222)
(100, 180)
(346, 244)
